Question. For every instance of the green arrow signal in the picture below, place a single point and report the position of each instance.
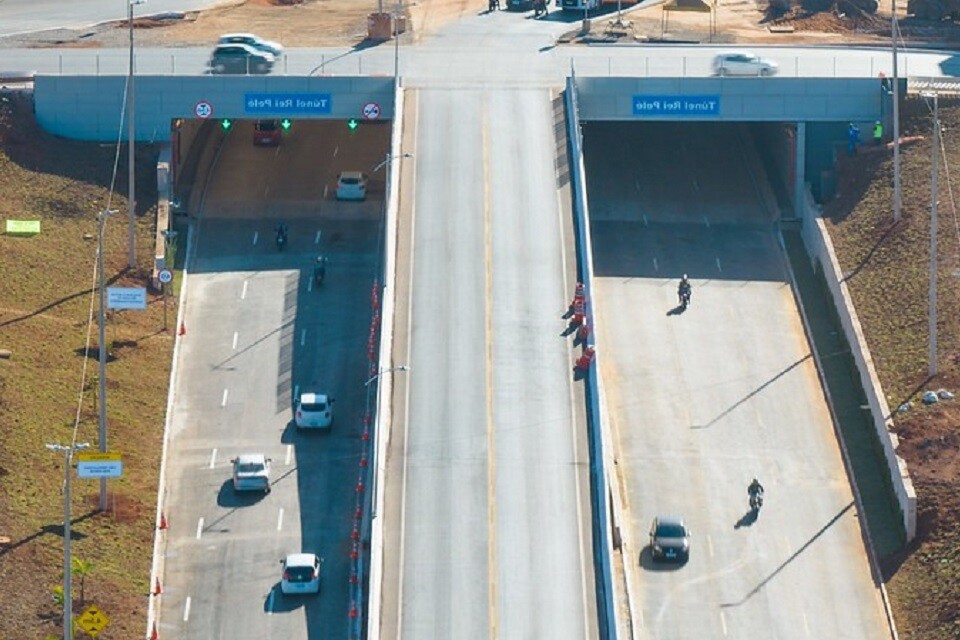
(226, 124)
(352, 124)
(286, 124)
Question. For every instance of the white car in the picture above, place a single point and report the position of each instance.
(352, 185)
(255, 41)
(301, 573)
(313, 410)
(743, 63)
(251, 472)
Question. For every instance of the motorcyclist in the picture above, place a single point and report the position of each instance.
(320, 269)
(755, 488)
(684, 289)
(281, 234)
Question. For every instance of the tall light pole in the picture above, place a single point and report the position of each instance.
(67, 452)
(934, 196)
(131, 164)
(396, 41)
(102, 371)
(894, 32)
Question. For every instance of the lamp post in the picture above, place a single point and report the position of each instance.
(934, 196)
(102, 371)
(894, 33)
(396, 41)
(67, 452)
(131, 134)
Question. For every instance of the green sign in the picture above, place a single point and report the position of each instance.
(352, 124)
(286, 123)
(23, 227)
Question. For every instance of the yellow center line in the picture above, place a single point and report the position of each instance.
(492, 567)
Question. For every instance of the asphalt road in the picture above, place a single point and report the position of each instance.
(24, 16)
(704, 400)
(257, 330)
(494, 536)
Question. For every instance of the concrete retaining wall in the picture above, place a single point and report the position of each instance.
(819, 246)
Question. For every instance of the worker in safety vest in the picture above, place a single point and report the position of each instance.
(877, 133)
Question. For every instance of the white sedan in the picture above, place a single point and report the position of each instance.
(743, 63)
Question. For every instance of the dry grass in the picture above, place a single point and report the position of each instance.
(887, 269)
(44, 309)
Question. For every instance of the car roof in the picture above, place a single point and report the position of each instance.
(671, 520)
(230, 45)
(309, 397)
(252, 458)
(300, 559)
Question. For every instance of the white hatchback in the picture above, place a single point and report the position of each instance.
(251, 472)
(313, 410)
(301, 573)
(743, 63)
(352, 185)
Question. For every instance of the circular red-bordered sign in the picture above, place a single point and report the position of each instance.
(203, 109)
(371, 111)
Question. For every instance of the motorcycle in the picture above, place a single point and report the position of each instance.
(539, 8)
(320, 270)
(756, 500)
(281, 238)
(684, 295)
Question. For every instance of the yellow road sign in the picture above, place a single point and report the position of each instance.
(93, 621)
(96, 456)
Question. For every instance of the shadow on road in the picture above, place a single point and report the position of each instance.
(747, 519)
(648, 563)
(231, 498)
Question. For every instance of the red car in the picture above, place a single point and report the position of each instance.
(266, 133)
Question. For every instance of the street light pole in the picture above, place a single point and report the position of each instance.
(67, 561)
(934, 196)
(131, 164)
(894, 32)
(102, 371)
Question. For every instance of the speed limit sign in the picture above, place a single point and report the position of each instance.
(165, 276)
(371, 111)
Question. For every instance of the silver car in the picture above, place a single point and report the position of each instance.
(743, 63)
(251, 472)
(669, 539)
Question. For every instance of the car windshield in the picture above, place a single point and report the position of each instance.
(349, 180)
(266, 125)
(299, 574)
(250, 467)
(315, 406)
(670, 531)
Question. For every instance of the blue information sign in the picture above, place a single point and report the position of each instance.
(287, 103)
(655, 105)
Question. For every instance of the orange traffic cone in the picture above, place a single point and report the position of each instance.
(158, 589)
(183, 328)
(163, 521)
(154, 635)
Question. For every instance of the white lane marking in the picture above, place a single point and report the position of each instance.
(710, 545)
(787, 546)
(723, 623)
(336, 150)
(296, 391)
(256, 236)
(806, 623)
(309, 285)
(286, 460)
(270, 601)
(243, 292)
(213, 458)
(266, 190)
(280, 519)
(303, 337)
(236, 336)
(646, 222)
(656, 265)
(324, 192)
(719, 268)
(406, 401)
(316, 239)
(223, 402)
(706, 221)
(186, 609)
(199, 528)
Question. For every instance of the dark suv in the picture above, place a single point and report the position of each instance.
(240, 58)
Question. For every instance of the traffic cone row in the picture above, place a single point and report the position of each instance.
(586, 359)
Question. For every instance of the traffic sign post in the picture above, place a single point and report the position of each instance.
(165, 277)
(203, 110)
(93, 621)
